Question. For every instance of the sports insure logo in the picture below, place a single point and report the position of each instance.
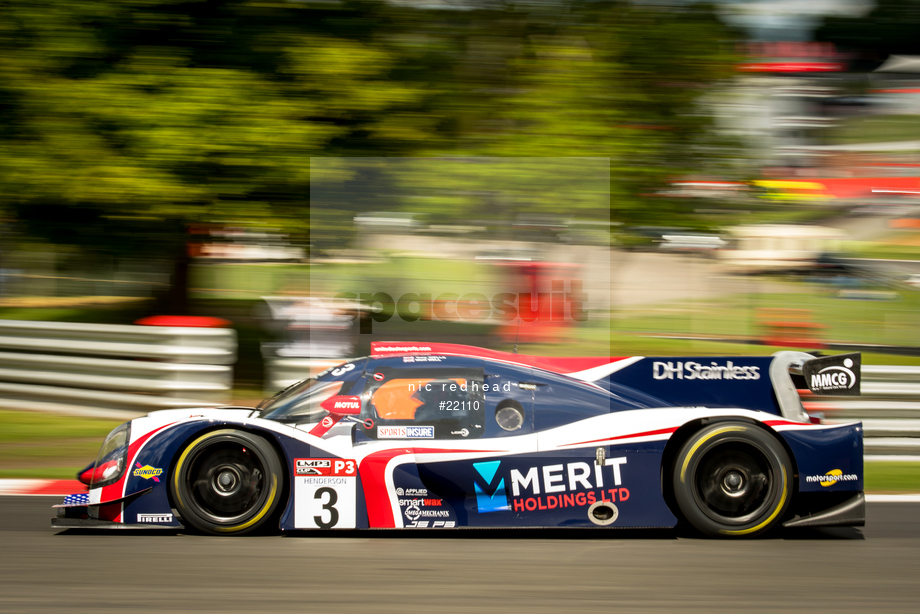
(836, 375)
(405, 432)
(490, 498)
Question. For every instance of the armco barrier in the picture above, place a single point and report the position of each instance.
(889, 408)
(282, 372)
(109, 370)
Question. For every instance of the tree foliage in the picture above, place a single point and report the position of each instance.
(127, 112)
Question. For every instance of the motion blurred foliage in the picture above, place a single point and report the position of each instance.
(126, 119)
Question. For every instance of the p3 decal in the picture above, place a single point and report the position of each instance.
(325, 493)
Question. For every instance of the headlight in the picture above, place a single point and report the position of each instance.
(113, 456)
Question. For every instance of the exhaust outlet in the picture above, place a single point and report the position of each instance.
(603, 513)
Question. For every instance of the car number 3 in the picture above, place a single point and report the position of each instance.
(343, 369)
(327, 501)
(327, 506)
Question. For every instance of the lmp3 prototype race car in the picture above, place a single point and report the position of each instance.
(432, 436)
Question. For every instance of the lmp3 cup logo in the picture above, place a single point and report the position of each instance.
(312, 466)
(696, 371)
(147, 472)
(550, 486)
(832, 477)
(324, 466)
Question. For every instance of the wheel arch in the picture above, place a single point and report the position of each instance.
(688, 430)
(270, 436)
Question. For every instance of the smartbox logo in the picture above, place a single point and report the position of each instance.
(497, 501)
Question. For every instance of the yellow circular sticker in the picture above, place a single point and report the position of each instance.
(832, 472)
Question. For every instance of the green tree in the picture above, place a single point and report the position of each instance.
(127, 119)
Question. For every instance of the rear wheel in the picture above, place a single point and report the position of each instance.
(227, 482)
(733, 480)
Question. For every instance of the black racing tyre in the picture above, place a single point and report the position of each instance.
(227, 482)
(733, 479)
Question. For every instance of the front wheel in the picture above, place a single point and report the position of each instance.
(733, 480)
(227, 482)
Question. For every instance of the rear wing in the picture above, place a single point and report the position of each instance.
(838, 375)
(769, 384)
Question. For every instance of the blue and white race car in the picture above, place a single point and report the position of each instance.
(431, 436)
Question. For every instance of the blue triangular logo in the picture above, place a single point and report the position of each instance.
(487, 469)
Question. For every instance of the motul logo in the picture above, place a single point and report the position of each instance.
(340, 404)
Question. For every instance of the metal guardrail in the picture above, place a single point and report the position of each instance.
(112, 370)
(889, 409)
(282, 372)
(126, 371)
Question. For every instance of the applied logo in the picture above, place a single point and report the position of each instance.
(412, 492)
(147, 472)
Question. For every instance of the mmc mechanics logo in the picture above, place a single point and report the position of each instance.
(835, 375)
(491, 498)
(147, 472)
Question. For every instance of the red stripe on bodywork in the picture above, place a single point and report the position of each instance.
(373, 480)
(556, 364)
(645, 434)
(784, 423)
(117, 490)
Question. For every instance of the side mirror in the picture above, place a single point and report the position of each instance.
(342, 405)
(338, 407)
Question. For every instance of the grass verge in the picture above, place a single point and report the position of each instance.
(40, 445)
(892, 476)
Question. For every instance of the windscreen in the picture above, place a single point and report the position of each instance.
(301, 402)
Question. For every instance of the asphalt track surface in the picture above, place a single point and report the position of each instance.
(872, 569)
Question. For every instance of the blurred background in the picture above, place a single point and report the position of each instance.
(289, 180)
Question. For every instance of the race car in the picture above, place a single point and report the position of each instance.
(439, 436)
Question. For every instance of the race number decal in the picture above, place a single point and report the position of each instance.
(325, 493)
